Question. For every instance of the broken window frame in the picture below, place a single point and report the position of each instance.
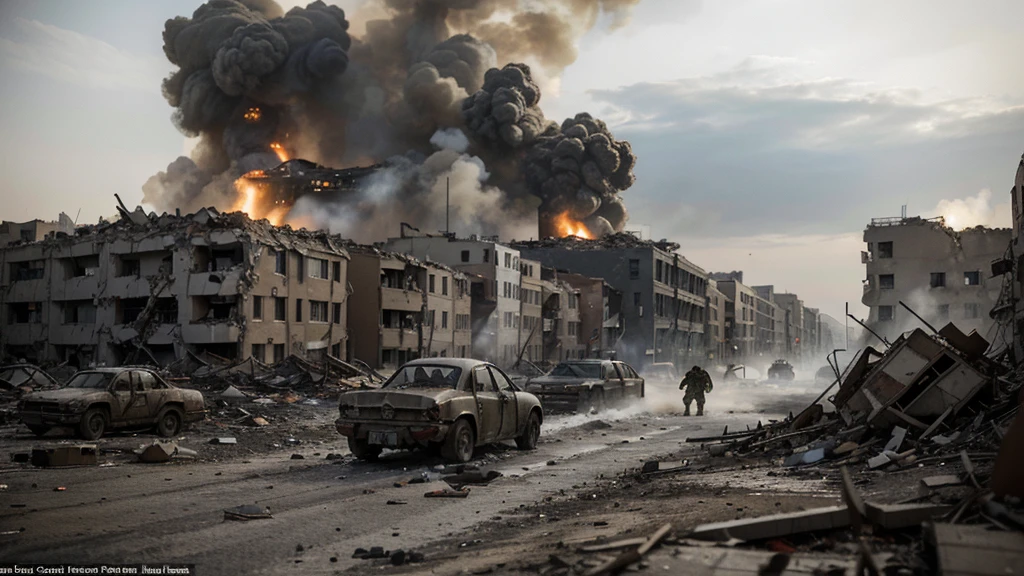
(634, 268)
(280, 309)
(938, 280)
(318, 312)
(885, 249)
(465, 256)
(886, 281)
(298, 309)
(890, 313)
(444, 285)
(257, 308)
(280, 262)
(336, 312)
(972, 278)
(319, 268)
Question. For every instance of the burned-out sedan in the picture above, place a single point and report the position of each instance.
(584, 385)
(96, 400)
(448, 405)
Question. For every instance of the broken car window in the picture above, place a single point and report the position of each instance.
(581, 370)
(425, 376)
(97, 380)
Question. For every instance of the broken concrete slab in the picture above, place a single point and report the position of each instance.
(232, 393)
(715, 561)
(973, 550)
(446, 493)
(845, 448)
(775, 525)
(247, 512)
(896, 441)
(226, 440)
(163, 452)
(895, 516)
(80, 455)
(933, 482)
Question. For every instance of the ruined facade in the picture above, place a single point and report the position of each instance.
(944, 275)
(599, 302)
(402, 308)
(562, 323)
(740, 319)
(714, 329)
(664, 294)
(1009, 311)
(531, 322)
(495, 309)
(148, 288)
(34, 230)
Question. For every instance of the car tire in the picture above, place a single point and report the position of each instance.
(38, 430)
(362, 449)
(168, 423)
(94, 423)
(528, 439)
(460, 442)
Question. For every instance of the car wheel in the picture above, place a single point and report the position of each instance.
(458, 446)
(528, 440)
(362, 449)
(38, 430)
(94, 423)
(168, 424)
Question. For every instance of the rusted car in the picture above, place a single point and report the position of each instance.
(585, 385)
(447, 405)
(97, 400)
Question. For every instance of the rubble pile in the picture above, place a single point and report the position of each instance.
(617, 240)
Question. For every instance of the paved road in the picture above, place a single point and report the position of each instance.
(145, 513)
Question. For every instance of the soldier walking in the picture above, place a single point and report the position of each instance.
(697, 383)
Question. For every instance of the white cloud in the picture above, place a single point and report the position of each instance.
(62, 54)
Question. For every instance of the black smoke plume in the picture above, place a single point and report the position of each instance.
(418, 87)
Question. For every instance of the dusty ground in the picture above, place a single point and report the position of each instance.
(575, 487)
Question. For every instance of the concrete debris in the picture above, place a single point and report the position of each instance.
(445, 493)
(163, 452)
(963, 550)
(247, 512)
(227, 440)
(471, 478)
(81, 455)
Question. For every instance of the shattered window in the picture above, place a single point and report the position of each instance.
(634, 269)
(886, 281)
(280, 309)
(938, 280)
(281, 262)
(487, 255)
(444, 285)
(318, 268)
(317, 311)
(278, 352)
(337, 272)
(465, 256)
(972, 278)
(885, 313)
(95, 380)
(885, 249)
(425, 376)
(430, 282)
(257, 307)
(259, 352)
(298, 309)
(337, 313)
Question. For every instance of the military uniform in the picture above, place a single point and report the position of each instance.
(697, 383)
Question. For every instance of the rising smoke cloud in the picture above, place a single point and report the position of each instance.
(419, 89)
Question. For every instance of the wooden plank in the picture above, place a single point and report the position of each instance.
(617, 545)
(906, 418)
(931, 429)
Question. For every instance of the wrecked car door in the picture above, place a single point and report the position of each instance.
(152, 392)
(509, 406)
(138, 405)
(121, 391)
(488, 405)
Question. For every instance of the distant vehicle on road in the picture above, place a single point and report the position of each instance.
(449, 405)
(661, 371)
(584, 385)
(97, 400)
(781, 370)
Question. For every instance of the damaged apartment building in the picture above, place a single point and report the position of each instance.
(941, 274)
(403, 308)
(663, 295)
(147, 288)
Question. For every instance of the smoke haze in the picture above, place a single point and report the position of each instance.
(425, 87)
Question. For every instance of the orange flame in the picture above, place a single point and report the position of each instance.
(566, 226)
(252, 115)
(282, 154)
(251, 201)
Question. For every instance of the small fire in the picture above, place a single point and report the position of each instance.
(252, 115)
(251, 201)
(282, 154)
(566, 227)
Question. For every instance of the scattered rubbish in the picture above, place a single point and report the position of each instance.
(247, 512)
(975, 550)
(630, 556)
(775, 525)
(471, 478)
(373, 552)
(446, 493)
(898, 434)
(933, 482)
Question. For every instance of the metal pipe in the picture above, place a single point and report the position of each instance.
(865, 326)
(923, 321)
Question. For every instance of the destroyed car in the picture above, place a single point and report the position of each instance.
(781, 370)
(447, 405)
(25, 377)
(584, 385)
(97, 400)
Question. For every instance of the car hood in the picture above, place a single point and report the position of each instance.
(559, 380)
(62, 395)
(410, 398)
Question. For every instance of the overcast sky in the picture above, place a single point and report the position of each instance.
(768, 132)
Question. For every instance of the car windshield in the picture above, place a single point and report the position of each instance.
(98, 380)
(14, 376)
(425, 376)
(587, 370)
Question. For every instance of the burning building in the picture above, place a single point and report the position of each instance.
(422, 89)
